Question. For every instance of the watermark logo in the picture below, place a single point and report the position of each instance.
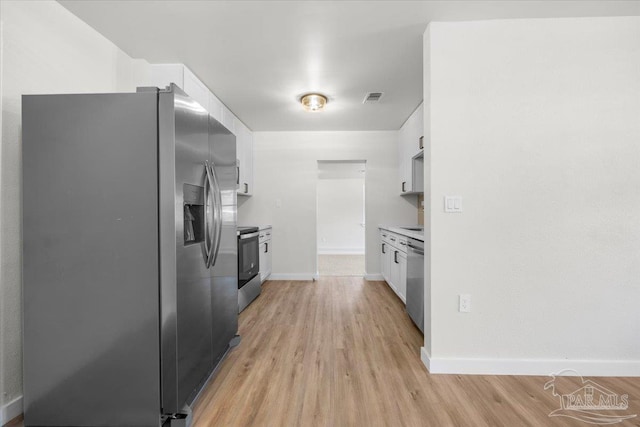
(588, 401)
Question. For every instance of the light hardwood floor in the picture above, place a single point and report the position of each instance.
(342, 352)
(341, 265)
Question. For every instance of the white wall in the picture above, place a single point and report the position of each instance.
(45, 49)
(340, 215)
(286, 170)
(536, 124)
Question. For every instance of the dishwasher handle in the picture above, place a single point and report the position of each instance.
(415, 249)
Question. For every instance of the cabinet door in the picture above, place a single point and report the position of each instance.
(387, 261)
(248, 162)
(228, 119)
(402, 280)
(402, 162)
(263, 261)
(161, 75)
(384, 264)
(269, 259)
(244, 143)
(407, 161)
(394, 274)
(419, 129)
(240, 146)
(215, 107)
(408, 146)
(196, 89)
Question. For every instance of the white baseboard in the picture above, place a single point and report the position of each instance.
(340, 251)
(10, 410)
(538, 367)
(426, 358)
(373, 277)
(293, 276)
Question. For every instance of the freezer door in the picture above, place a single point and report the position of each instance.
(90, 260)
(186, 216)
(224, 297)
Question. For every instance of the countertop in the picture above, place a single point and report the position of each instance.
(418, 235)
(260, 227)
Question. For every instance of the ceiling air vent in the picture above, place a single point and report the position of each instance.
(372, 97)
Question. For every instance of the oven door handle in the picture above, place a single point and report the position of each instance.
(249, 235)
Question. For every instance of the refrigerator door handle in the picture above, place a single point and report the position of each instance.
(208, 242)
(219, 194)
(217, 216)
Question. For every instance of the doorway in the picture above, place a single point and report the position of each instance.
(341, 218)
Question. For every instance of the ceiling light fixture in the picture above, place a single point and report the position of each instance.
(313, 101)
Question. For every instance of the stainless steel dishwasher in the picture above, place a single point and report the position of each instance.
(415, 282)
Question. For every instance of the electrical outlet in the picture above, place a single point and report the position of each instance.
(464, 303)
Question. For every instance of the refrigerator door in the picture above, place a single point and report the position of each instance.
(224, 296)
(90, 260)
(186, 216)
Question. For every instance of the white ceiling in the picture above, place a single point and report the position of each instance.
(258, 57)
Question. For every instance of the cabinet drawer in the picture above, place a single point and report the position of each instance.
(402, 244)
(264, 236)
(397, 241)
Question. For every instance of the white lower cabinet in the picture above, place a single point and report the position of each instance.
(393, 261)
(384, 256)
(265, 258)
(386, 262)
(395, 272)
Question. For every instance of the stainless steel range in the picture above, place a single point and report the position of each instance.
(248, 266)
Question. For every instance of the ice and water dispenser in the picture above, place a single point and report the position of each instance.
(194, 212)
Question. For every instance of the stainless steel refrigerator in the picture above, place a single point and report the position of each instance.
(130, 256)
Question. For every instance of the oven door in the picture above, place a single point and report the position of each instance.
(248, 257)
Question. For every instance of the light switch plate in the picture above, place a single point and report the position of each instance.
(453, 204)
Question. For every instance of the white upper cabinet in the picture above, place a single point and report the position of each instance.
(248, 164)
(229, 120)
(215, 107)
(404, 166)
(196, 89)
(409, 147)
(161, 75)
(244, 143)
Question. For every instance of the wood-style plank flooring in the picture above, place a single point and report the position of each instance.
(341, 265)
(342, 352)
